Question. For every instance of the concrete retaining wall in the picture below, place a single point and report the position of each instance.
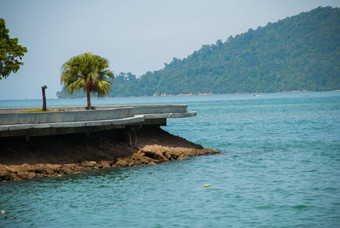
(107, 113)
(78, 121)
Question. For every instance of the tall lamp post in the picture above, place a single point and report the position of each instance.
(44, 97)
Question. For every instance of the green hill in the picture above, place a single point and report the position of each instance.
(297, 53)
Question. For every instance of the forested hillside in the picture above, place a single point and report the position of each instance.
(297, 53)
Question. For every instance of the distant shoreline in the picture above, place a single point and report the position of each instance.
(209, 94)
(182, 95)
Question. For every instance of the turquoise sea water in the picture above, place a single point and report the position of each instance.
(279, 167)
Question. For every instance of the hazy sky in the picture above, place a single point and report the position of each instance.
(134, 35)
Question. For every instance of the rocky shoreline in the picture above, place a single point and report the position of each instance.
(57, 156)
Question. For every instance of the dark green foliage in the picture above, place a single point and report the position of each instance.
(10, 52)
(297, 53)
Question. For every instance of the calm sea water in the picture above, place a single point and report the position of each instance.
(279, 167)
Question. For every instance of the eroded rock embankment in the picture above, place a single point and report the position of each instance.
(55, 156)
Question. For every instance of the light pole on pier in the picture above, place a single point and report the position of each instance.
(44, 98)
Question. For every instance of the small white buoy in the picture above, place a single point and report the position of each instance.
(3, 212)
(206, 185)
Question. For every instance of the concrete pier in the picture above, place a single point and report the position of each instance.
(67, 120)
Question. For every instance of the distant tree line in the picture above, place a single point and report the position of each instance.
(297, 53)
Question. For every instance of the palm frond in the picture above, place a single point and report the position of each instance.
(76, 85)
(102, 87)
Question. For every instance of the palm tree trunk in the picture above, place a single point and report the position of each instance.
(88, 99)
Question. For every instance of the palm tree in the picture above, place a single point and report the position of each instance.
(88, 72)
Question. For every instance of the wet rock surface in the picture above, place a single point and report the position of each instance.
(99, 151)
